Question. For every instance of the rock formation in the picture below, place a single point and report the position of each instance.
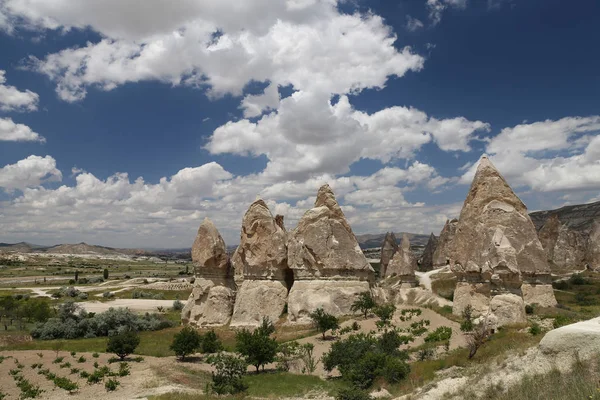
(592, 256)
(329, 267)
(388, 248)
(403, 264)
(565, 248)
(261, 268)
(496, 251)
(441, 255)
(426, 262)
(212, 298)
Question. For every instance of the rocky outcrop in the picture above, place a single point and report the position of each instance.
(323, 250)
(564, 248)
(261, 267)
(388, 248)
(592, 256)
(426, 261)
(496, 245)
(441, 255)
(581, 340)
(212, 298)
(403, 264)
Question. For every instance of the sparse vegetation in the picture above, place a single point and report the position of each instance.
(257, 347)
(187, 341)
(364, 303)
(123, 344)
(324, 321)
(228, 375)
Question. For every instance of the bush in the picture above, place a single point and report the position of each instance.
(364, 303)
(395, 369)
(577, 279)
(105, 273)
(288, 355)
(352, 394)
(186, 341)
(123, 344)
(467, 324)
(441, 334)
(324, 321)
(66, 384)
(228, 375)
(178, 305)
(535, 329)
(111, 385)
(355, 326)
(385, 313)
(124, 369)
(95, 355)
(108, 295)
(210, 343)
(561, 285)
(81, 359)
(529, 309)
(257, 347)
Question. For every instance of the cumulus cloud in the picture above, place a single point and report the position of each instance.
(12, 99)
(321, 137)
(29, 172)
(548, 155)
(11, 131)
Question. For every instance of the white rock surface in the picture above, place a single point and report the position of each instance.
(582, 338)
(209, 304)
(508, 309)
(257, 299)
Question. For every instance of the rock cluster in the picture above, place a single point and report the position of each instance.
(318, 264)
(495, 253)
(443, 250)
(403, 264)
(564, 248)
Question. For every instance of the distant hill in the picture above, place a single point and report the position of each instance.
(82, 248)
(21, 247)
(578, 217)
(371, 240)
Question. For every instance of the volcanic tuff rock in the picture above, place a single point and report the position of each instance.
(441, 255)
(426, 263)
(323, 244)
(565, 248)
(260, 264)
(496, 243)
(403, 264)
(213, 295)
(329, 266)
(578, 217)
(388, 248)
(593, 250)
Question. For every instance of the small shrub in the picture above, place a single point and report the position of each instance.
(308, 359)
(95, 377)
(108, 295)
(178, 305)
(111, 360)
(529, 309)
(137, 359)
(355, 326)
(124, 369)
(385, 313)
(257, 347)
(84, 374)
(535, 329)
(210, 343)
(81, 359)
(228, 375)
(73, 354)
(185, 342)
(65, 365)
(561, 320)
(66, 384)
(95, 355)
(40, 355)
(123, 344)
(352, 394)
(111, 385)
(58, 360)
(324, 321)
(441, 334)
(75, 370)
(364, 304)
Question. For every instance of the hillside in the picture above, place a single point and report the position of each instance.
(370, 240)
(578, 217)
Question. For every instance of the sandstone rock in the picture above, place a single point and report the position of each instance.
(262, 253)
(323, 245)
(542, 295)
(441, 255)
(209, 253)
(564, 247)
(388, 248)
(426, 263)
(581, 338)
(336, 297)
(593, 247)
(403, 264)
(478, 295)
(209, 304)
(508, 309)
(257, 299)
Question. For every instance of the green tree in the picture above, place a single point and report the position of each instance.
(385, 312)
(186, 341)
(105, 273)
(257, 347)
(210, 343)
(228, 375)
(123, 344)
(364, 303)
(324, 321)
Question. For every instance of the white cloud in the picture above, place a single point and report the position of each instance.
(436, 8)
(29, 172)
(10, 131)
(413, 24)
(548, 155)
(325, 138)
(11, 99)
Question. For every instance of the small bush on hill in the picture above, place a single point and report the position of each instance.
(185, 342)
(364, 303)
(228, 375)
(257, 347)
(210, 343)
(123, 344)
(324, 321)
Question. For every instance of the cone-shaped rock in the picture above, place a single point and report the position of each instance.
(427, 257)
(443, 250)
(260, 264)
(329, 267)
(403, 264)
(565, 248)
(388, 248)
(496, 247)
(212, 298)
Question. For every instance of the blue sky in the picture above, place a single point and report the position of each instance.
(125, 125)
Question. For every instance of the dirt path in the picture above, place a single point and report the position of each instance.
(425, 277)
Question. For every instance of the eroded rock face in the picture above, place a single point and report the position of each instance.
(593, 247)
(565, 248)
(508, 309)
(388, 248)
(213, 295)
(257, 299)
(323, 245)
(262, 253)
(441, 255)
(261, 268)
(336, 298)
(403, 264)
(496, 243)
(426, 263)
